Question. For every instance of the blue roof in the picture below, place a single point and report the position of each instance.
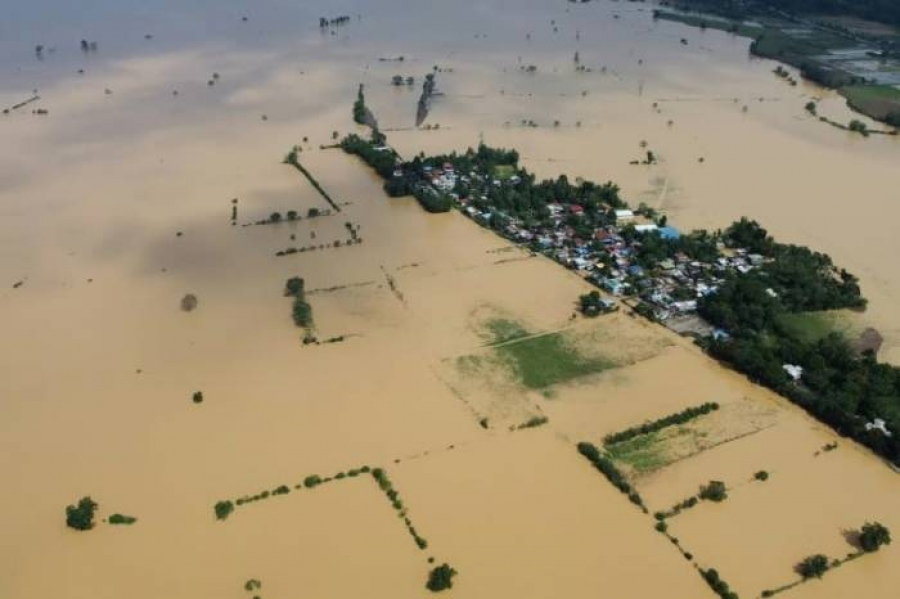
(669, 233)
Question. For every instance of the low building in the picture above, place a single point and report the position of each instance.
(624, 216)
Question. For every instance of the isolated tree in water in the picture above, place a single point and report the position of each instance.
(81, 516)
(873, 536)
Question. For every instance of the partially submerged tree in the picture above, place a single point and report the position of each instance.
(813, 566)
(81, 516)
(872, 536)
(440, 578)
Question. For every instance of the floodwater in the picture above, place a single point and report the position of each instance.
(115, 205)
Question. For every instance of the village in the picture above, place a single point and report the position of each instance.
(603, 246)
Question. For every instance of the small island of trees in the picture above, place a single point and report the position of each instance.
(81, 515)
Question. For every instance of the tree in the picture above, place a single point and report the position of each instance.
(858, 126)
(813, 566)
(714, 491)
(275, 217)
(811, 108)
(872, 536)
(294, 286)
(198, 397)
(223, 509)
(292, 215)
(440, 578)
(189, 302)
(397, 80)
(81, 516)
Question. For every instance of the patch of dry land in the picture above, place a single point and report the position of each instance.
(460, 370)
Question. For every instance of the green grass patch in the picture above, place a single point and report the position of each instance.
(504, 171)
(539, 362)
(643, 453)
(502, 330)
(810, 327)
(881, 102)
(709, 22)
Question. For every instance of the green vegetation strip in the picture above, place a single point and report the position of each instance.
(718, 585)
(223, 509)
(735, 27)
(293, 160)
(302, 311)
(609, 470)
(385, 484)
(122, 519)
(657, 425)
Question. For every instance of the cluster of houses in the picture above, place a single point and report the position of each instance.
(669, 288)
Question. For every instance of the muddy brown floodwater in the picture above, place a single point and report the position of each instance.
(100, 363)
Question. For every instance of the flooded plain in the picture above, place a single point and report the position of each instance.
(118, 202)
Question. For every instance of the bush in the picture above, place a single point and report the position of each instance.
(714, 491)
(312, 481)
(440, 578)
(122, 519)
(718, 585)
(762, 475)
(873, 536)
(294, 287)
(189, 302)
(198, 397)
(81, 515)
(813, 566)
(223, 509)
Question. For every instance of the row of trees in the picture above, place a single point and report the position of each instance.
(653, 426)
(385, 484)
(609, 470)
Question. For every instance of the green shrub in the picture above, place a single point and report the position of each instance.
(718, 585)
(872, 536)
(198, 397)
(714, 491)
(294, 286)
(762, 475)
(312, 481)
(813, 566)
(81, 515)
(440, 578)
(252, 585)
(122, 519)
(223, 509)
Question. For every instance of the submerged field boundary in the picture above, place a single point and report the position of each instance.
(225, 508)
(295, 162)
